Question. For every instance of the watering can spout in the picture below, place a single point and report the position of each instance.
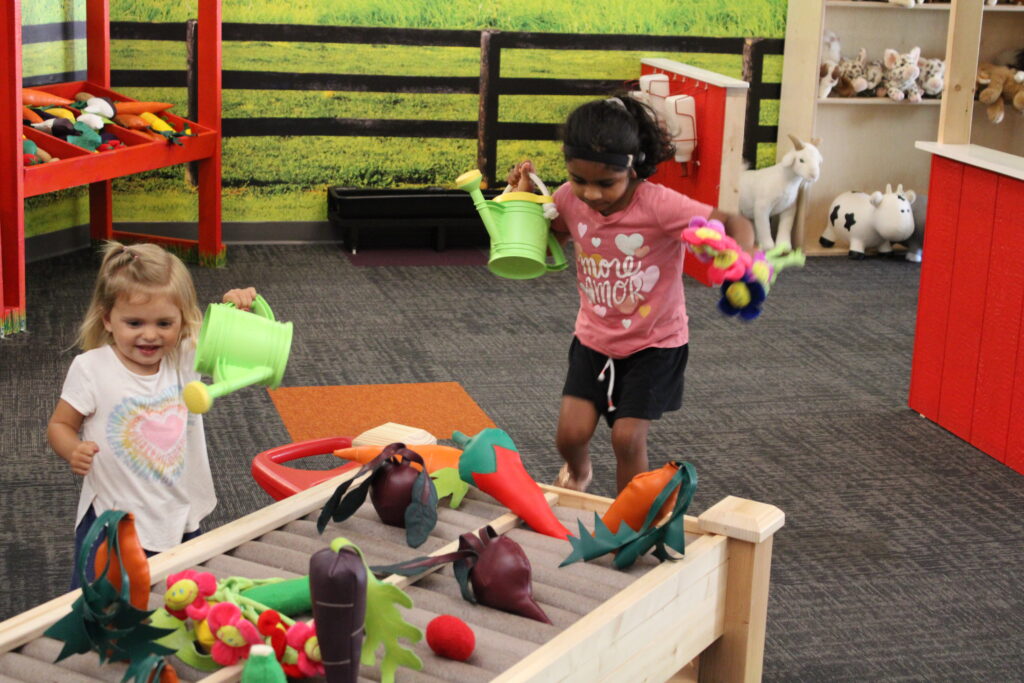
(199, 397)
(470, 182)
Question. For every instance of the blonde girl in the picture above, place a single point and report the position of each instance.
(121, 422)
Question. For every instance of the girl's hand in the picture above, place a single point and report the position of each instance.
(241, 298)
(81, 457)
(519, 176)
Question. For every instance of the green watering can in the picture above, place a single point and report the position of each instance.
(520, 234)
(238, 348)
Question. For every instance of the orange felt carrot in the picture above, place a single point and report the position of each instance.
(39, 98)
(136, 564)
(140, 107)
(133, 121)
(30, 115)
(634, 502)
(435, 456)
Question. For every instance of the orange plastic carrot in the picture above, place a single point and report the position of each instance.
(39, 98)
(140, 107)
(30, 116)
(435, 456)
(133, 121)
(634, 502)
(136, 564)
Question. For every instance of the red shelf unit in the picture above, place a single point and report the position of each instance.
(77, 166)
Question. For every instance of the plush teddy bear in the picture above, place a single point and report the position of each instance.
(1000, 86)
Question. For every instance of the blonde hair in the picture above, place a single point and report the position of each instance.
(139, 269)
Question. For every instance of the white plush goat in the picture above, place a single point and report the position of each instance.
(772, 191)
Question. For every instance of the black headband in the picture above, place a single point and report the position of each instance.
(587, 154)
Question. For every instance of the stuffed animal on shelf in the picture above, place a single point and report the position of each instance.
(899, 78)
(870, 220)
(931, 80)
(853, 70)
(1001, 85)
(1011, 58)
(828, 78)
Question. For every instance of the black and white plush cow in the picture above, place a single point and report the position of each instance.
(870, 220)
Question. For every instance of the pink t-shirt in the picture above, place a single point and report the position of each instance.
(629, 269)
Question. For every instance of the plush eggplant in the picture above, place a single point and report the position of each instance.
(337, 584)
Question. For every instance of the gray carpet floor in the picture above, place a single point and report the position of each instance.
(902, 557)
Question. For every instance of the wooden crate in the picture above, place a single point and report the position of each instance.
(644, 624)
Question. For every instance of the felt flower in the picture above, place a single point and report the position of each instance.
(704, 237)
(234, 634)
(269, 624)
(302, 637)
(743, 298)
(187, 592)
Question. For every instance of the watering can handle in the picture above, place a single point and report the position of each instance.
(557, 254)
(536, 181)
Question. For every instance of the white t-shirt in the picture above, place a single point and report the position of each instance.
(152, 459)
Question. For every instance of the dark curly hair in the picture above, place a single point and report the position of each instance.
(619, 125)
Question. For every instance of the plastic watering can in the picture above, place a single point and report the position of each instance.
(238, 348)
(520, 234)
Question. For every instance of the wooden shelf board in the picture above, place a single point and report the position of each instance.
(876, 101)
(854, 4)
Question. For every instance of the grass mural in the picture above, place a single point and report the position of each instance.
(285, 178)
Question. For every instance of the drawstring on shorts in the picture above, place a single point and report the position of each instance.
(610, 367)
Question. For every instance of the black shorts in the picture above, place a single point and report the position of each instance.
(646, 384)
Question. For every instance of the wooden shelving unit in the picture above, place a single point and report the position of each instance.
(868, 142)
(77, 166)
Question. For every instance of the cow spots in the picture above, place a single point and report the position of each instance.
(834, 215)
(851, 221)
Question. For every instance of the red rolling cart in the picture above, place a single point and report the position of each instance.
(77, 166)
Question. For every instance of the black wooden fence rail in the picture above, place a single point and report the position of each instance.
(489, 86)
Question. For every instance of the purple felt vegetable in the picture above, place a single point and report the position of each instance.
(337, 584)
(402, 495)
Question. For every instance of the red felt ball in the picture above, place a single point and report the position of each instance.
(449, 636)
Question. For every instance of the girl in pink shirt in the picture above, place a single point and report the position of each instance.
(629, 351)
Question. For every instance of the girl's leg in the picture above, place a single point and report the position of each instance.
(629, 441)
(577, 420)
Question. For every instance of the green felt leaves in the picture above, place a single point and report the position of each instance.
(629, 544)
(103, 619)
(448, 483)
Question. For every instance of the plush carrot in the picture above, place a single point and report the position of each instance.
(39, 98)
(136, 564)
(435, 456)
(133, 121)
(634, 502)
(491, 462)
(141, 107)
(30, 115)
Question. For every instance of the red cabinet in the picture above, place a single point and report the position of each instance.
(968, 366)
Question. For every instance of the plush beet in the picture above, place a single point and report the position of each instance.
(391, 491)
(403, 495)
(501, 574)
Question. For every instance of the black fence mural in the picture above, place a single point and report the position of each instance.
(489, 86)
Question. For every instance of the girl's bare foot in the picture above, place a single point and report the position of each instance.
(566, 480)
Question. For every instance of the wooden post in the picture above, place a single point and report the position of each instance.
(957, 110)
(97, 34)
(191, 89)
(739, 654)
(12, 191)
(211, 248)
(487, 120)
(753, 65)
